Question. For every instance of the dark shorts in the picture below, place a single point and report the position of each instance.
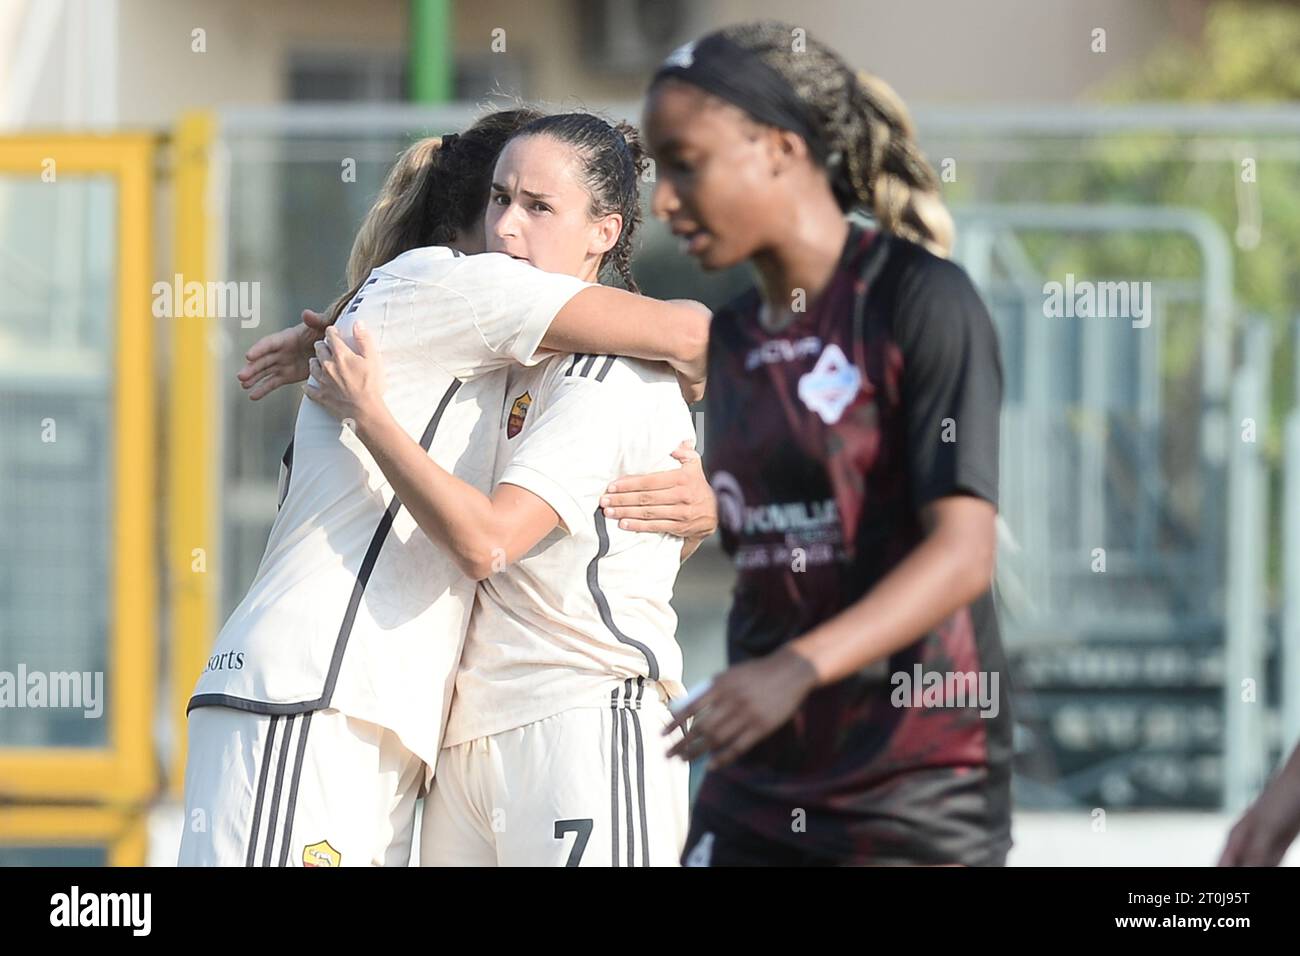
(926, 819)
(714, 840)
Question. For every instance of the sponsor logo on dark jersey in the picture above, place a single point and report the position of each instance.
(779, 516)
(782, 350)
(832, 385)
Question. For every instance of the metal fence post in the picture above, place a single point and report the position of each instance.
(1244, 744)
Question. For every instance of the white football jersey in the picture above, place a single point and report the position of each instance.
(352, 606)
(588, 607)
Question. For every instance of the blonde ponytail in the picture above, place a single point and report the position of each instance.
(397, 219)
(896, 182)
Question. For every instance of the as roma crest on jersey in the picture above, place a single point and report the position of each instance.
(517, 412)
(321, 854)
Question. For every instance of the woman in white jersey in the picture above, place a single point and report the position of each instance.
(553, 753)
(320, 712)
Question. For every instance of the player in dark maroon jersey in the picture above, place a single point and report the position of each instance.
(852, 443)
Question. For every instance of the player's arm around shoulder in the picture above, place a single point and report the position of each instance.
(585, 421)
(676, 500)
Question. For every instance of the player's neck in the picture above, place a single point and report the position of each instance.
(795, 271)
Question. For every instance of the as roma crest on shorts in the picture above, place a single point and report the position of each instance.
(517, 412)
(321, 854)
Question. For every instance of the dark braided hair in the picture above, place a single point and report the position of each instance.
(437, 190)
(874, 161)
(613, 159)
(465, 170)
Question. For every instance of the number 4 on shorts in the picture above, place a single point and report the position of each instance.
(582, 829)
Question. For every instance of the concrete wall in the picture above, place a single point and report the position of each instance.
(932, 51)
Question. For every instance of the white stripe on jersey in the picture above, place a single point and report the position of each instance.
(589, 606)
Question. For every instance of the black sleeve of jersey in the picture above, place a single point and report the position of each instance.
(952, 382)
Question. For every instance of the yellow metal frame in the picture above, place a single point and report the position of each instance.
(125, 771)
(125, 833)
(192, 437)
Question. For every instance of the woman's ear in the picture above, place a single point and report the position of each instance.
(785, 149)
(605, 233)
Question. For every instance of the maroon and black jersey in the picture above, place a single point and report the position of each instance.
(824, 442)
